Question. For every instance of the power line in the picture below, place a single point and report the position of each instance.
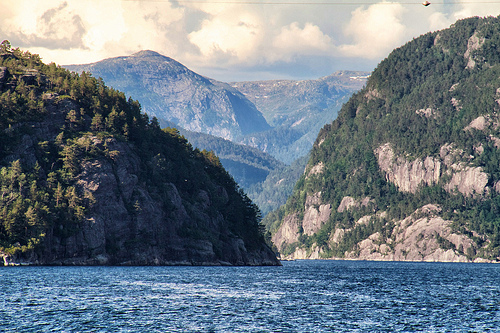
(329, 3)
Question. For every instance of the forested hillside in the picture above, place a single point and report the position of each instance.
(248, 165)
(87, 178)
(410, 168)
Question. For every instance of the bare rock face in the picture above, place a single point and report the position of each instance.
(316, 214)
(288, 233)
(473, 44)
(409, 176)
(352, 203)
(419, 237)
(422, 236)
(468, 181)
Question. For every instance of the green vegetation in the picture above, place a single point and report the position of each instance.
(428, 72)
(247, 165)
(79, 115)
(278, 186)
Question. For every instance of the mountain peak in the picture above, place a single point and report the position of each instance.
(147, 54)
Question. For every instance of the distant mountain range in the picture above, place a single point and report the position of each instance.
(297, 110)
(171, 92)
(279, 117)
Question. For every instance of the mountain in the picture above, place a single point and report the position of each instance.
(174, 94)
(410, 168)
(171, 92)
(297, 110)
(285, 102)
(86, 178)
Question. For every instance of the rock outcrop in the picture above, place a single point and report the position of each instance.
(422, 236)
(409, 176)
(316, 214)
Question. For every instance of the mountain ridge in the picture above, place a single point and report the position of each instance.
(301, 117)
(297, 109)
(191, 108)
(170, 91)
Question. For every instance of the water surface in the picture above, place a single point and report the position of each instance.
(300, 296)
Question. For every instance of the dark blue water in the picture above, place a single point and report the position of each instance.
(301, 296)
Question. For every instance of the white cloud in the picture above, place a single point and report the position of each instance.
(444, 16)
(476, 8)
(55, 26)
(83, 31)
(226, 38)
(233, 34)
(293, 41)
(374, 31)
(438, 21)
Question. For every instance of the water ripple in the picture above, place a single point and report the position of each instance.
(301, 296)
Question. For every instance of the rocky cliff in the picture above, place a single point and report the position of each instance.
(87, 179)
(410, 168)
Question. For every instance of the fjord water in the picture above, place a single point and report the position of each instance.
(300, 296)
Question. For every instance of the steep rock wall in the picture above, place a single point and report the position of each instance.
(408, 176)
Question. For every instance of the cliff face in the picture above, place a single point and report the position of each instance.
(410, 176)
(422, 236)
(409, 170)
(127, 225)
(89, 180)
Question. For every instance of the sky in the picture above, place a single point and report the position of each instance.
(231, 40)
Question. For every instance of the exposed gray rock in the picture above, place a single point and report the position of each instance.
(418, 237)
(316, 214)
(288, 233)
(409, 176)
(473, 44)
(352, 203)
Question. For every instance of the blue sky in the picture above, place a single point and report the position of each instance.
(233, 40)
